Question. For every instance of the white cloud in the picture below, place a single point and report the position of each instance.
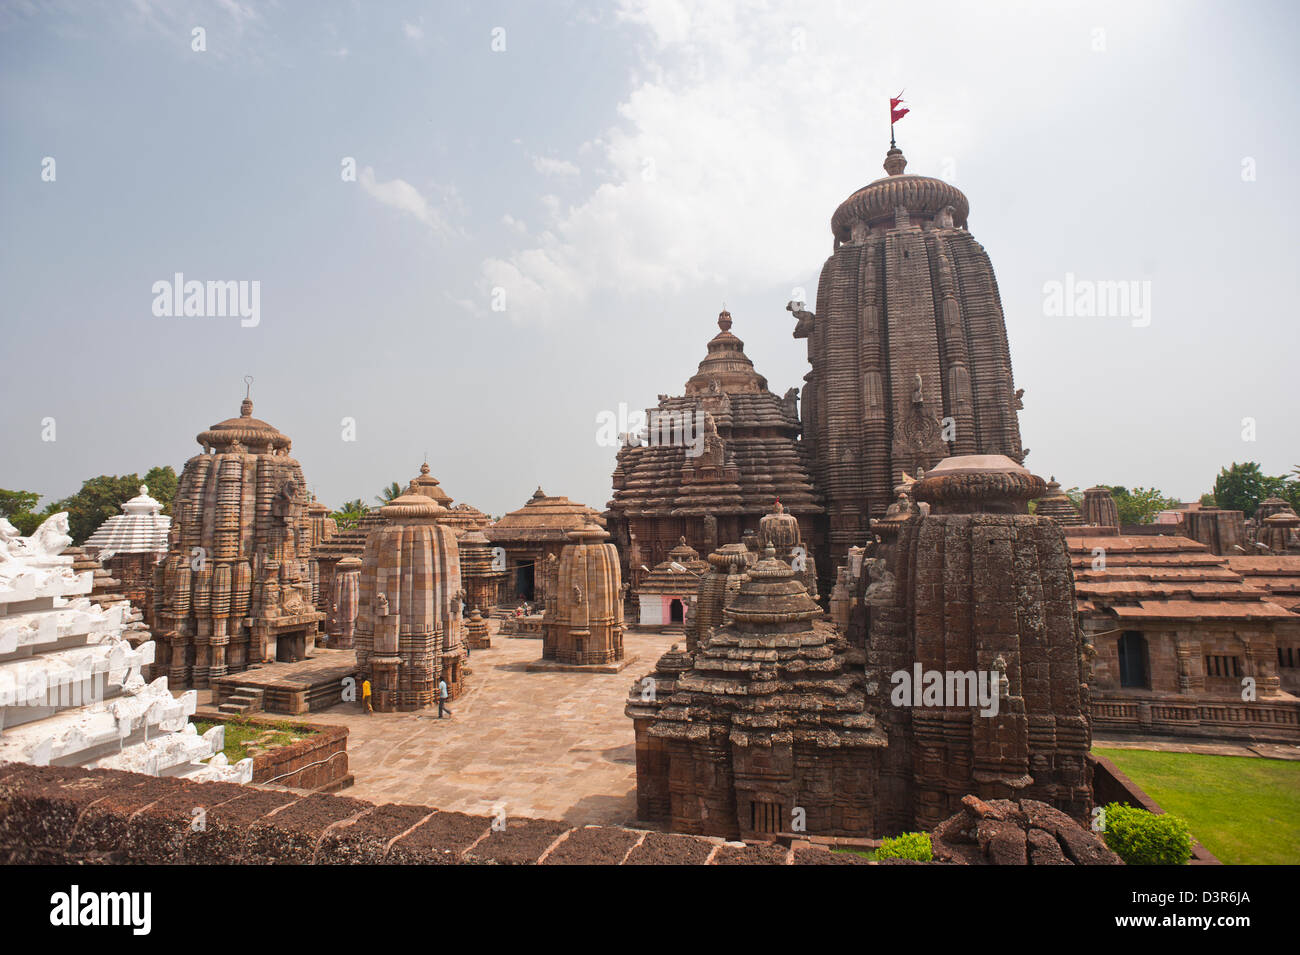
(716, 175)
(554, 167)
(401, 195)
(746, 125)
(413, 31)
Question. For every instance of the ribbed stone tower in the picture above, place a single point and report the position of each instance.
(908, 349)
(719, 587)
(481, 573)
(408, 629)
(1099, 509)
(236, 586)
(979, 586)
(583, 626)
(341, 620)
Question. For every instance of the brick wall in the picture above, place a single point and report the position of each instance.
(57, 815)
(62, 816)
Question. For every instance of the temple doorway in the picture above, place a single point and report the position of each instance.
(291, 647)
(1133, 660)
(676, 613)
(524, 580)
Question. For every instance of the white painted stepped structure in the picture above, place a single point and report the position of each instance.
(71, 690)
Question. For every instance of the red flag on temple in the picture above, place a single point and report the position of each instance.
(895, 114)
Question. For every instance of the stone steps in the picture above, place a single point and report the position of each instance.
(245, 699)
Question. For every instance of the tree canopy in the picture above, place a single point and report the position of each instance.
(1242, 487)
(388, 493)
(349, 513)
(17, 508)
(99, 499)
(1141, 504)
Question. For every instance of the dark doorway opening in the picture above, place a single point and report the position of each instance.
(290, 647)
(1133, 660)
(524, 581)
(676, 612)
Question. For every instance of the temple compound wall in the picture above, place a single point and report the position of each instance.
(74, 816)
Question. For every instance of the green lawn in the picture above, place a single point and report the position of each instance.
(1245, 810)
(239, 733)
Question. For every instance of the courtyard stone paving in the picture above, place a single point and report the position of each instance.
(552, 745)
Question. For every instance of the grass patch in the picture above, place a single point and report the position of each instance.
(1246, 810)
(240, 732)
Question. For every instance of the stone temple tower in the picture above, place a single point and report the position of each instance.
(978, 586)
(908, 349)
(583, 626)
(408, 632)
(236, 585)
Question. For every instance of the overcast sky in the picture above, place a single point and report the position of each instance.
(610, 175)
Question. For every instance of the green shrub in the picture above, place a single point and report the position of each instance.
(1144, 838)
(910, 845)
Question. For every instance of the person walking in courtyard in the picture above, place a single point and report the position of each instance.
(442, 699)
(365, 696)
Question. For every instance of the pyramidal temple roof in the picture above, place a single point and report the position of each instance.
(743, 451)
(543, 518)
(141, 528)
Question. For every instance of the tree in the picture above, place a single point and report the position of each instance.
(1242, 486)
(387, 494)
(349, 514)
(17, 508)
(1140, 505)
(162, 483)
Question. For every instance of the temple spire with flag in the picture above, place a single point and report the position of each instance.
(895, 114)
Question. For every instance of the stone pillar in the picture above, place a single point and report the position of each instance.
(345, 589)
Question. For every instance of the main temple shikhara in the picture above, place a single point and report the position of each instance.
(908, 348)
